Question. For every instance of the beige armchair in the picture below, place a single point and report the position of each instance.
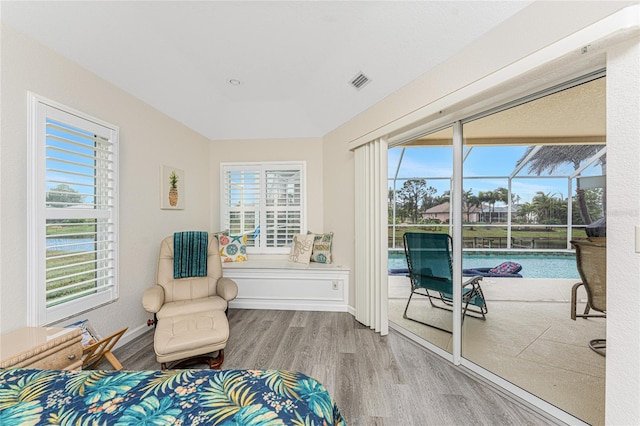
(189, 312)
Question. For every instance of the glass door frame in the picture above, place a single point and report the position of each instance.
(457, 228)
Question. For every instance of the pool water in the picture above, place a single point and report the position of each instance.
(534, 265)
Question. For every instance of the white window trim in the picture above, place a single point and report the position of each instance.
(37, 312)
(302, 165)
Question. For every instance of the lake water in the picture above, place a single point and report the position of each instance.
(534, 265)
(71, 244)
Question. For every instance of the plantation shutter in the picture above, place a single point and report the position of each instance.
(283, 206)
(75, 228)
(241, 197)
(264, 201)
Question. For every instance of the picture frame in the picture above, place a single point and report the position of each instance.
(172, 184)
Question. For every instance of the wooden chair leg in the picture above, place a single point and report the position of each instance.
(113, 360)
(96, 352)
(216, 363)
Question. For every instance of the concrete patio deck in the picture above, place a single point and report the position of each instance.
(528, 339)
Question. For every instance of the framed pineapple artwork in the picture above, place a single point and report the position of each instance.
(172, 193)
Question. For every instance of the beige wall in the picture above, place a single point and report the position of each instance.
(623, 216)
(308, 150)
(147, 140)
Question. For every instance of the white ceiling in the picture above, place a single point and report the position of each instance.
(294, 58)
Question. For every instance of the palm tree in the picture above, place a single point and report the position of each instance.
(550, 157)
(489, 197)
(541, 204)
(549, 209)
(502, 194)
(469, 202)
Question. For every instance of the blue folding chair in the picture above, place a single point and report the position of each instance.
(429, 261)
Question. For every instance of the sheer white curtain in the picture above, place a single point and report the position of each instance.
(371, 279)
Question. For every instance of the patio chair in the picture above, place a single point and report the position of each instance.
(505, 270)
(591, 260)
(429, 261)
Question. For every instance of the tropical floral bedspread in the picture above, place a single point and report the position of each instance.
(175, 397)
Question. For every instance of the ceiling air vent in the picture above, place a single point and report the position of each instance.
(359, 81)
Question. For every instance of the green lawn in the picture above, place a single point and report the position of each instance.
(70, 266)
(81, 228)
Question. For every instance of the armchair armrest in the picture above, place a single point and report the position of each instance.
(227, 289)
(153, 299)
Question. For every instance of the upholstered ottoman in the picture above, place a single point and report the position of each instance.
(191, 338)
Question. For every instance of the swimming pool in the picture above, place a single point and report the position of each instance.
(534, 265)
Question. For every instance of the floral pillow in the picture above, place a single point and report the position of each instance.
(301, 248)
(506, 268)
(233, 248)
(322, 247)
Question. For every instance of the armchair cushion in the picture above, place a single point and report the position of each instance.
(195, 294)
(188, 288)
(187, 307)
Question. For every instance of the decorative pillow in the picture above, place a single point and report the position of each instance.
(233, 248)
(322, 247)
(301, 248)
(506, 268)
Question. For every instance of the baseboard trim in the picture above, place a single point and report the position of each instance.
(132, 334)
(288, 305)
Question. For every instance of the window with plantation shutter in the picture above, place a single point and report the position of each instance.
(73, 212)
(265, 201)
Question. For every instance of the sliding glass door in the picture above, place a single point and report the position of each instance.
(419, 201)
(533, 180)
(535, 175)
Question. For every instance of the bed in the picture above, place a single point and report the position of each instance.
(182, 397)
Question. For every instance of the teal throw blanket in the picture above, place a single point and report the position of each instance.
(190, 254)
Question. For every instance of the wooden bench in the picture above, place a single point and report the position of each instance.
(280, 284)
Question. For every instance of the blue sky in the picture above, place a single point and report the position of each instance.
(435, 163)
(70, 164)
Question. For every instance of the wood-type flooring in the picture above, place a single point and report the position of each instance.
(375, 380)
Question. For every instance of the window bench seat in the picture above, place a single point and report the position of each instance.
(284, 285)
